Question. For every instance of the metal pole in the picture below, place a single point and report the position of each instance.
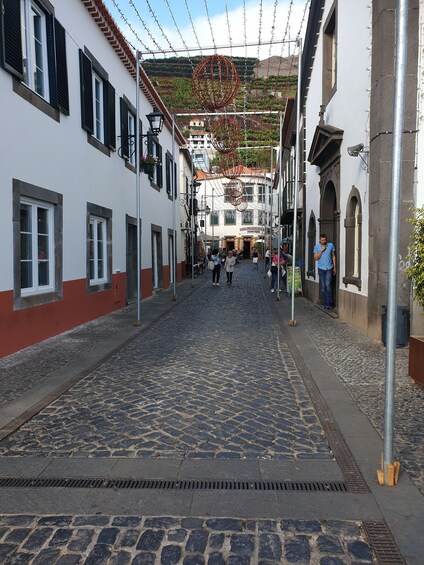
(296, 180)
(137, 184)
(213, 223)
(279, 205)
(270, 210)
(392, 287)
(192, 218)
(175, 201)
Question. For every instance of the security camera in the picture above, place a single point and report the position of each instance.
(355, 149)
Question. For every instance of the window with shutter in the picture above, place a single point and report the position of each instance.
(33, 49)
(97, 102)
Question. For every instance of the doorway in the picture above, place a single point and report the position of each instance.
(246, 249)
(131, 261)
(329, 225)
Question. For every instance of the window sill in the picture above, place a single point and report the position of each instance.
(30, 96)
(98, 287)
(356, 281)
(31, 300)
(98, 145)
(130, 167)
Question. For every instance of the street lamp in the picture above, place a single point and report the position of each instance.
(156, 119)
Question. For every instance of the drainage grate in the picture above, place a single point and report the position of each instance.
(383, 544)
(159, 484)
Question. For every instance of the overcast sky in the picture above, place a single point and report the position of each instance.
(269, 12)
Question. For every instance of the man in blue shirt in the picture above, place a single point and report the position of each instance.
(325, 254)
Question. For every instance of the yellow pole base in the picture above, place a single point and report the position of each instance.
(137, 323)
(392, 473)
(292, 323)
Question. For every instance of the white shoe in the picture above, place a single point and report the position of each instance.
(217, 284)
(272, 290)
(214, 284)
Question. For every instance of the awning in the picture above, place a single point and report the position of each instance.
(287, 216)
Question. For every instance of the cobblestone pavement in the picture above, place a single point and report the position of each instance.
(213, 381)
(360, 365)
(121, 540)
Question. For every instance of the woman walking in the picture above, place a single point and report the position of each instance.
(217, 267)
(230, 261)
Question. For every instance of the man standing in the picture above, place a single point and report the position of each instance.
(325, 254)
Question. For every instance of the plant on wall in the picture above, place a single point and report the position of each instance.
(415, 271)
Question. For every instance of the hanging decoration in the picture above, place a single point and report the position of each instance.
(226, 134)
(215, 82)
(230, 165)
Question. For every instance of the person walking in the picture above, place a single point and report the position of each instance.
(267, 258)
(255, 258)
(325, 255)
(217, 267)
(274, 271)
(230, 261)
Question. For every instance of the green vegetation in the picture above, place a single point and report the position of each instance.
(172, 79)
(415, 272)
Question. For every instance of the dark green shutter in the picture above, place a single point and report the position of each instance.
(174, 183)
(10, 38)
(51, 59)
(125, 153)
(61, 69)
(159, 167)
(86, 77)
(168, 171)
(109, 115)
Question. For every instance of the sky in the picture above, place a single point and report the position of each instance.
(168, 25)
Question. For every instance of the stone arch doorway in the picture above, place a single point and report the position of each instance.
(329, 224)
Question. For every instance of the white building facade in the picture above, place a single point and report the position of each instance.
(68, 218)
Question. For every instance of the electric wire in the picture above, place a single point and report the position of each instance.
(152, 12)
(143, 23)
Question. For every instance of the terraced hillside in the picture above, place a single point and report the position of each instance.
(259, 91)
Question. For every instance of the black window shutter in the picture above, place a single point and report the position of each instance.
(174, 184)
(61, 69)
(87, 115)
(159, 167)
(150, 150)
(10, 38)
(124, 129)
(168, 171)
(109, 115)
(51, 59)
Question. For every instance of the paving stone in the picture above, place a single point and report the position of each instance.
(269, 546)
(225, 524)
(242, 544)
(331, 561)
(150, 540)
(99, 555)
(22, 558)
(170, 554)
(61, 537)
(296, 550)
(46, 557)
(128, 538)
(37, 539)
(68, 560)
(82, 539)
(17, 535)
(327, 544)
(144, 558)
(216, 541)
(6, 551)
(177, 535)
(108, 536)
(194, 560)
(360, 550)
(126, 521)
(57, 521)
(121, 558)
(197, 541)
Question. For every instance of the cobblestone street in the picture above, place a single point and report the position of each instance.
(208, 390)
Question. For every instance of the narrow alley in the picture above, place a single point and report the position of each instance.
(216, 434)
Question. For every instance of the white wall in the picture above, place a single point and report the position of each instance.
(57, 156)
(347, 110)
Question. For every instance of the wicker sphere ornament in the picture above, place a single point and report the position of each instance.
(230, 165)
(242, 206)
(215, 82)
(226, 134)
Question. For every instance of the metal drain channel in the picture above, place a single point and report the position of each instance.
(383, 544)
(159, 484)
